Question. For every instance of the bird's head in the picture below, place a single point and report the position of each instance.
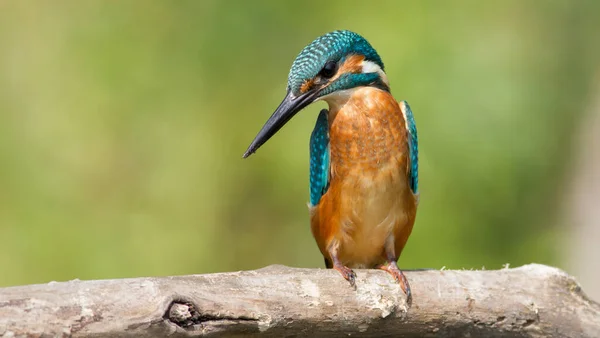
(325, 69)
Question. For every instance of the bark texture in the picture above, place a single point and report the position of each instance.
(278, 301)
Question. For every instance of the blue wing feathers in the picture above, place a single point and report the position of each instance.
(319, 155)
(319, 158)
(413, 146)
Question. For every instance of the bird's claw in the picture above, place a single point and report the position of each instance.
(348, 274)
(392, 268)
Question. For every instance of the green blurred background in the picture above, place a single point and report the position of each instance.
(122, 126)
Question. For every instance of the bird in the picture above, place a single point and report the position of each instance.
(363, 155)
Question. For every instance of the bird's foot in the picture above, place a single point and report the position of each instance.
(392, 268)
(347, 273)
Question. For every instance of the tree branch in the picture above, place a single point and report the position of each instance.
(530, 301)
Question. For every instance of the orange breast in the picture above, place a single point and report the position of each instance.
(369, 200)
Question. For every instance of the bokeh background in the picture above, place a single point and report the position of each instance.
(122, 126)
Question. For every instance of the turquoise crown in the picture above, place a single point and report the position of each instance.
(333, 46)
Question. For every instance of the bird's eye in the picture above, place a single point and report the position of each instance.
(329, 69)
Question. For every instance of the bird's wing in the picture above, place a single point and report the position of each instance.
(413, 147)
(319, 158)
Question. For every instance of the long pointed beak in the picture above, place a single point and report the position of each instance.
(286, 110)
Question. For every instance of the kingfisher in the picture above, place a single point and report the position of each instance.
(363, 155)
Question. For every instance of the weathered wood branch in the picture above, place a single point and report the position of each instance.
(530, 301)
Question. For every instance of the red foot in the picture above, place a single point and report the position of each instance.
(347, 273)
(392, 268)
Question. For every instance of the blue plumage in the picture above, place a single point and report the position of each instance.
(319, 158)
(351, 80)
(413, 146)
(333, 46)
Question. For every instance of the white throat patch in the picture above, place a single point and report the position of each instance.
(372, 67)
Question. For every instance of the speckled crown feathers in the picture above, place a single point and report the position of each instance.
(332, 46)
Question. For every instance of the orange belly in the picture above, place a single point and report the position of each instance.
(369, 204)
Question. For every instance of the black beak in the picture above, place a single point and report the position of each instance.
(286, 110)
